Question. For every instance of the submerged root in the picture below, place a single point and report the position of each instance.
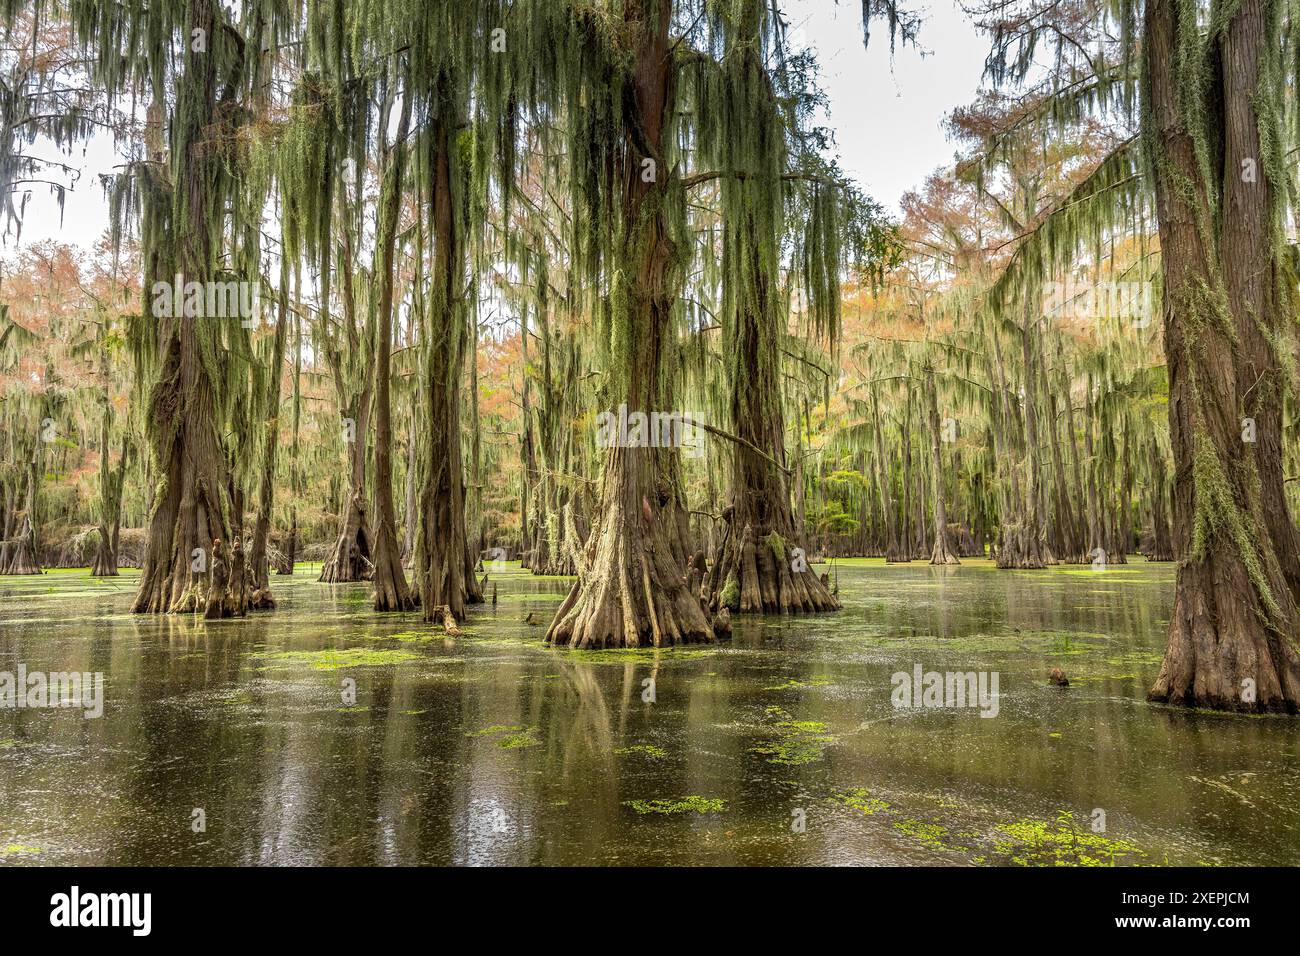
(1022, 547)
(350, 559)
(762, 577)
(1222, 656)
(632, 595)
(442, 613)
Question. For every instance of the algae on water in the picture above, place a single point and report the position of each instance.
(691, 804)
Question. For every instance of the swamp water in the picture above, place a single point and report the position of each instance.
(780, 746)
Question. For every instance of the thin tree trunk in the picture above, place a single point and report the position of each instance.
(110, 487)
(943, 551)
(1162, 547)
(893, 548)
(391, 592)
(295, 467)
(259, 565)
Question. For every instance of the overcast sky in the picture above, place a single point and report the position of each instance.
(887, 114)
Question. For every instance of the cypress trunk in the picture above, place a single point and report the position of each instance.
(391, 592)
(258, 563)
(943, 552)
(444, 564)
(1233, 627)
(190, 516)
(631, 589)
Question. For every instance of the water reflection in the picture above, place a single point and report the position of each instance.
(495, 749)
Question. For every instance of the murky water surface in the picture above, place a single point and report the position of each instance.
(781, 746)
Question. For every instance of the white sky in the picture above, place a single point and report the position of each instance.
(887, 115)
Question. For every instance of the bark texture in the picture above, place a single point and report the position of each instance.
(190, 507)
(1233, 628)
(444, 564)
(631, 589)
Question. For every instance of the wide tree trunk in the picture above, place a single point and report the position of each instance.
(444, 564)
(189, 517)
(1232, 632)
(105, 564)
(189, 520)
(1260, 289)
(758, 569)
(631, 589)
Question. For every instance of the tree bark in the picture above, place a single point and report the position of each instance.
(943, 551)
(295, 473)
(259, 565)
(893, 547)
(190, 510)
(1233, 627)
(444, 564)
(391, 592)
(631, 589)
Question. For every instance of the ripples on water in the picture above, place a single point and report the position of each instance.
(780, 746)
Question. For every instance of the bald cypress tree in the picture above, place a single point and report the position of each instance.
(358, 85)
(630, 590)
(761, 564)
(195, 62)
(1206, 85)
(444, 562)
(1235, 625)
(641, 89)
(391, 593)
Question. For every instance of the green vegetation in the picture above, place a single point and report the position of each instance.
(690, 804)
(548, 365)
